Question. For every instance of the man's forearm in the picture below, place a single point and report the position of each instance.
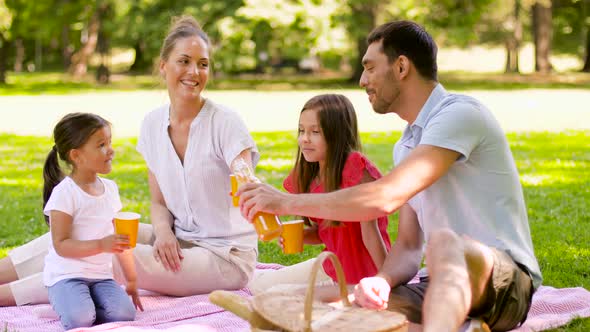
(359, 203)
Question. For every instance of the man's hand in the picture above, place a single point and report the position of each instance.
(167, 250)
(372, 293)
(257, 197)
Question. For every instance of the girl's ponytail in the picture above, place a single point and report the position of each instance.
(71, 132)
(52, 175)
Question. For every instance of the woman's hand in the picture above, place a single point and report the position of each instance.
(131, 289)
(115, 243)
(167, 250)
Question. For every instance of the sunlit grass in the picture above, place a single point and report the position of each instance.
(554, 169)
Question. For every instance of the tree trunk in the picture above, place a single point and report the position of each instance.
(542, 35)
(361, 48)
(366, 18)
(19, 58)
(79, 65)
(3, 58)
(140, 63)
(66, 51)
(514, 40)
(586, 67)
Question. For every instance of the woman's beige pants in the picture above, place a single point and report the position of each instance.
(289, 279)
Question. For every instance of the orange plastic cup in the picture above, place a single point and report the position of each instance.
(268, 226)
(126, 223)
(292, 236)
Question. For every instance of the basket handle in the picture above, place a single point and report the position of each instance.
(310, 286)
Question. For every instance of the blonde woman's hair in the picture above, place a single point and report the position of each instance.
(181, 27)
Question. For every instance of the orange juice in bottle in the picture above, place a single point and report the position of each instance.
(267, 226)
(234, 188)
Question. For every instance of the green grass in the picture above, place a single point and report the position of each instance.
(554, 170)
(62, 83)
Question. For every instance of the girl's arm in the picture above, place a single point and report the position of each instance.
(310, 235)
(371, 236)
(65, 246)
(128, 265)
(374, 242)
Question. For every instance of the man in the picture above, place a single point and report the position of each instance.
(455, 186)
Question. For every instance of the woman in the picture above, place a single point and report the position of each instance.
(198, 241)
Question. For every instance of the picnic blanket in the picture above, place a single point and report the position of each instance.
(551, 308)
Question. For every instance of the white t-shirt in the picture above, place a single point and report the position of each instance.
(481, 195)
(196, 192)
(92, 218)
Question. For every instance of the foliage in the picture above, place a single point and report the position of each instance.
(146, 22)
(452, 22)
(266, 33)
(5, 17)
(571, 21)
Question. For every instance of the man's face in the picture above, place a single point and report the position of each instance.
(379, 80)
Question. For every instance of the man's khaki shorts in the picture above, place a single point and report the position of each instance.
(506, 301)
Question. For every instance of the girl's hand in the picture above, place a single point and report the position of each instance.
(167, 250)
(281, 243)
(115, 243)
(131, 289)
(372, 293)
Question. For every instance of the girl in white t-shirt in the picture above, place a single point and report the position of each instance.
(80, 208)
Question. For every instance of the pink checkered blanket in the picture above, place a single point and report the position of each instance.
(551, 308)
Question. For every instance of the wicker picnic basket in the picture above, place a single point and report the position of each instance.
(281, 311)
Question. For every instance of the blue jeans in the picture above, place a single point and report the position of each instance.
(81, 302)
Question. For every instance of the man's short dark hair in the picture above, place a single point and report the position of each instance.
(411, 40)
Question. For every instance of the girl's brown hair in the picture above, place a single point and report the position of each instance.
(71, 132)
(339, 127)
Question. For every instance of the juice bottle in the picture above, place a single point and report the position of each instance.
(268, 226)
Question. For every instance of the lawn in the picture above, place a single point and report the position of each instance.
(554, 170)
(57, 83)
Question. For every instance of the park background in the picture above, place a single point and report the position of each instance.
(528, 60)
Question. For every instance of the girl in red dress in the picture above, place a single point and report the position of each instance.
(329, 159)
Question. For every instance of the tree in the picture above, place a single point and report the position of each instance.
(5, 24)
(571, 24)
(586, 67)
(79, 60)
(268, 33)
(586, 31)
(514, 39)
(359, 17)
(542, 35)
(146, 22)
